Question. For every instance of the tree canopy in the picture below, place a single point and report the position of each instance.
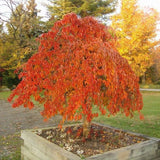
(17, 37)
(136, 31)
(23, 27)
(83, 8)
(76, 67)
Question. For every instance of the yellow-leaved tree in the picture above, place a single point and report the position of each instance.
(136, 31)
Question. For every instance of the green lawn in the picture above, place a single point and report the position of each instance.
(4, 94)
(148, 86)
(149, 126)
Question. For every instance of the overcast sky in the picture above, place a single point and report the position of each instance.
(152, 4)
(41, 5)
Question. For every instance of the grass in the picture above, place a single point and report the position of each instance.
(149, 126)
(150, 86)
(14, 156)
(4, 95)
(13, 144)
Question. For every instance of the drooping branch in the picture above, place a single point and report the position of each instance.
(78, 67)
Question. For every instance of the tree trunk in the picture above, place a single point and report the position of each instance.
(86, 127)
(144, 79)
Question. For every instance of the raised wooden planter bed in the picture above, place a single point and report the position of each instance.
(38, 148)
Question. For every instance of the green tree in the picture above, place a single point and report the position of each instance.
(96, 8)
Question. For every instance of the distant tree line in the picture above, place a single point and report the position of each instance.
(135, 41)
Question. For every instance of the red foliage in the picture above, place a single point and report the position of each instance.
(77, 66)
(2, 70)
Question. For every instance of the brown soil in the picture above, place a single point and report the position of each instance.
(100, 139)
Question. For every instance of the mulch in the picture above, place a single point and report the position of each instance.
(99, 140)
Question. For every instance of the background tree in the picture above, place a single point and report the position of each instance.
(8, 78)
(135, 30)
(18, 43)
(97, 8)
(1, 48)
(24, 26)
(76, 67)
(152, 74)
